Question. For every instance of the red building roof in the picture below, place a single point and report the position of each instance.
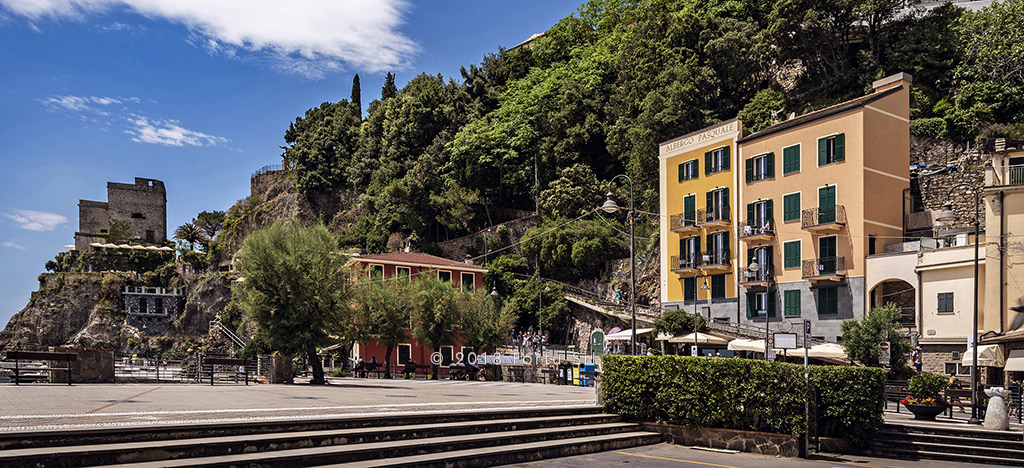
(418, 259)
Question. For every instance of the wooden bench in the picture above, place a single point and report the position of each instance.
(369, 368)
(52, 358)
(212, 362)
(965, 394)
(414, 369)
(896, 390)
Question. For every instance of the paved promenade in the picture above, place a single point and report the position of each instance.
(50, 406)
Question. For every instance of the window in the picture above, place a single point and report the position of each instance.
(404, 353)
(718, 286)
(760, 167)
(717, 204)
(690, 210)
(466, 351)
(791, 301)
(827, 204)
(143, 305)
(446, 355)
(376, 271)
(688, 170)
(138, 216)
(689, 251)
(872, 240)
(444, 276)
(468, 282)
(791, 254)
(158, 304)
(946, 303)
(790, 159)
(828, 300)
(957, 368)
(689, 289)
(759, 303)
(718, 248)
(827, 261)
(759, 217)
(403, 272)
(716, 160)
(831, 149)
(791, 207)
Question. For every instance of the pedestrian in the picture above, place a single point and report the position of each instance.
(915, 356)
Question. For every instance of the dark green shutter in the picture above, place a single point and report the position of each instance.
(681, 168)
(840, 147)
(725, 198)
(710, 203)
(751, 299)
(770, 166)
(696, 168)
(682, 248)
(790, 159)
(749, 164)
(750, 213)
(725, 158)
(707, 162)
(822, 151)
(771, 303)
(768, 209)
(689, 210)
(688, 289)
(750, 255)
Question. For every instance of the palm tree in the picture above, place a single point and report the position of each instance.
(190, 233)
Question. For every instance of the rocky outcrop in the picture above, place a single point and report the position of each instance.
(56, 312)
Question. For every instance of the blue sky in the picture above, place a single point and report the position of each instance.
(195, 93)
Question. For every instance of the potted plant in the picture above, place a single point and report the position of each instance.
(925, 400)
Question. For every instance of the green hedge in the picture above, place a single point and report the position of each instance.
(742, 394)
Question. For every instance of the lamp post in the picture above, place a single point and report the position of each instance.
(696, 302)
(754, 268)
(947, 216)
(610, 206)
(540, 317)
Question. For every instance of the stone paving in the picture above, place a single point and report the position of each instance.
(57, 407)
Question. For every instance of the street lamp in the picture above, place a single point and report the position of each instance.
(947, 216)
(610, 206)
(696, 302)
(754, 268)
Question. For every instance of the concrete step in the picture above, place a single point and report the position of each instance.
(892, 438)
(956, 457)
(78, 437)
(122, 452)
(975, 432)
(375, 451)
(518, 453)
(1007, 454)
(966, 444)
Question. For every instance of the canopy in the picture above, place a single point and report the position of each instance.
(988, 355)
(701, 339)
(663, 337)
(828, 351)
(1015, 362)
(746, 345)
(625, 335)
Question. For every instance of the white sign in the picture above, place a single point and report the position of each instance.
(693, 350)
(885, 356)
(785, 340)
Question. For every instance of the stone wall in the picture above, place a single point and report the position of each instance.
(143, 205)
(935, 356)
(491, 239)
(929, 188)
(92, 366)
(764, 443)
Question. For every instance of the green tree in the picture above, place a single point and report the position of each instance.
(357, 94)
(455, 207)
(436, 315)
(678, 322)
(569, 250)
(861, 339)
(382, 310)
(296, 288)
(190, 233)
(484, 325)
(119, 231)
(321, 144)
(574, 192)
(210, 222)
(389, 90)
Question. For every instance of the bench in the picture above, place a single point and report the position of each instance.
(896, 390)
(550, 374)
(52, 358)
(369, 368)
(210, 363)
(965, 394)
(414, 369)
(457, 373)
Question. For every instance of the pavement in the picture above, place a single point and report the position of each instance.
(38, 407)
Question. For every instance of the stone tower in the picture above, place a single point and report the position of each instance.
(142, 205)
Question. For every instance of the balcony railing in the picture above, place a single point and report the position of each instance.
(679, 221)
(822, 216)
(685, 262)
(748, 277)
(718, 214)
(757, 228)
(1015, 175)
(717, 257)
(824, 266)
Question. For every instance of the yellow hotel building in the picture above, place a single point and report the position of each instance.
(697, 201)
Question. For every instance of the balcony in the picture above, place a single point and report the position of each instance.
(824, 218)
(679, 224)
(716, 216)
(685, 263)
(823, 269)
(750, 279)
(1002, 174)
(757, 229)
(717, 259)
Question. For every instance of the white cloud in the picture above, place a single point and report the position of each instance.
(37, 220)
(169, 133)
(13, 245)
(304, 36)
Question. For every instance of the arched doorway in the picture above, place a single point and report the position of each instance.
(900, 293)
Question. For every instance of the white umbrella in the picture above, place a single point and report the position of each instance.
(626, 335)
(701, 339)
(990, 355)
(746, 345)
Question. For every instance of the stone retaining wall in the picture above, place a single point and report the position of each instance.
(764, 443)
(92, 366)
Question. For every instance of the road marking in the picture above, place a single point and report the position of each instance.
(677, 459)
(114, 403)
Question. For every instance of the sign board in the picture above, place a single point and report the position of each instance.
(771, 354)
(885, 356)
(785, 340)
(693, 350)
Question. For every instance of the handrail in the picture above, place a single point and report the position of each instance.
(714, 257)
(216, 324)
(266, 169)
(679, 221)
(822, 215)
(757, 227)
(713, 215)
(685, 262)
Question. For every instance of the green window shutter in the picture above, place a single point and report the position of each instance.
(822, 151)
(770, 260)
(697, 248)
(768, 209)
(725, 198)
(791, 160)
(680, 169)
(750, 212)
(749, 166)
(688, 286)
(770, 165)
(750, 255)
(840, 147)
(791, 254)
(710, 201)
(707, 162)
(689, 209)
(771, 303)
(791, 207)
(725, 158)
(696, 167)
(751, 298)
(791, 306)
(682, 247)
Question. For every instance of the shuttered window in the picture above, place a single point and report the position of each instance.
(791, 303)
(791, 207)
(945, 303)
(828, 300)
(791, 159)
(831, 149)
(791, 254)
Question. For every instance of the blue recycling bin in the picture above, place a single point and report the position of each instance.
(586, 380)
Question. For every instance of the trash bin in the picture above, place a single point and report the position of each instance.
(586, 380)
(563, 371)
(575, 374)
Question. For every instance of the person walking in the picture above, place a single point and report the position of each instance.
(915, 356)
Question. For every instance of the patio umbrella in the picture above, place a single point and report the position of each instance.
(701, 339)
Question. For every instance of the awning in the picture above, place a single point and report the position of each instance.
(746, 345)
(663, 337)
(626, 335)
(1015, 362)
(828, 351)
(701, 339)
(988, 356)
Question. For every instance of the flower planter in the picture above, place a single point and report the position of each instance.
(925, 412)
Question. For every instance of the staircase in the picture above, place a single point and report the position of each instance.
(216, 325)
(968, 445)
(485, 438)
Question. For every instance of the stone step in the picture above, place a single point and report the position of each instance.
(121, 452)
(79, 437)
(930, 447)
(974, 432)
(518, 453)
(948, 456)
(890, 437)
(375, 451)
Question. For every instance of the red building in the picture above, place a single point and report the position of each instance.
(465, 276)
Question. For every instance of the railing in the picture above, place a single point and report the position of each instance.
(680, 220)
(835, 214)
(685, 262)
(217, 325)
(760, 276)
(713, 215)
(266, 169)
(824, 266)
(716, 257)
(1015, 175)
(757, 227)
(908, 317)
